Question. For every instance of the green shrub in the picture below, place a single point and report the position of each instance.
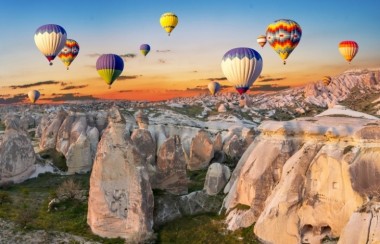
(5, 197)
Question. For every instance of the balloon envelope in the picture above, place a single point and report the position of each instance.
(109, 67)
(348, 49)
(168, 21)
(242, 66)
(214, 87)
(144, 49)
(262, 40)
(33, 95)
(284, 35)
(326, 80)
(50, 39)
(69, 52)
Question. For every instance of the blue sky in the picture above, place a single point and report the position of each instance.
(206, 30)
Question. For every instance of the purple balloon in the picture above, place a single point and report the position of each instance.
(110, 61)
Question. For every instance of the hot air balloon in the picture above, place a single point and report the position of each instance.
(69, 52)
(144, 49)
(214, 87)
(262, 40)
(33, 95)
(169, 21)
(109, 67)
(284, 35)
(50, 40)
(242, 66)
(348, 49)
(326, 80)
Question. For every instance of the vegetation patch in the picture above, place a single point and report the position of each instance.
(347, 149)
(205, 228)
(2, 126)
(196, 179)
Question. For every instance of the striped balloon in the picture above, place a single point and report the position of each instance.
(348, 49)
(262, 40)
(144, 49)
(50, 40)
(284, 35)
(242, 66)
(109, 67)
(168, 21)
(326, 80)
(69, 52)
(213, 87)
(33, 95)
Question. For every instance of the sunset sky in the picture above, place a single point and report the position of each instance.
(190, 57)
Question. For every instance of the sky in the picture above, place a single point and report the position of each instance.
(190, 58)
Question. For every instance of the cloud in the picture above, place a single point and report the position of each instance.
(270, 79)
(74, 87)
(163, 51)
(94, 55)
(15, 99)
(70, 97)
(40, 83)
(221, 78)
(128, 55)
(274, 87)
(122, 91)
(161, 61)
(128, 77)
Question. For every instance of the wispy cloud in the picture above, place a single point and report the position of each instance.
(70, 97)
(163, 51)
(274, 87)
(269, 79)
(94, 55)
(124, 91)
(128, 77)
(15, 99)
(74, 87)
(220, 78)
(128, 55)
(40, 83)
(162, 61)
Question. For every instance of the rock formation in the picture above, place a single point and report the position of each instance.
(216, 178)
(303, 179)
(142, 120)
(171, 167)
(120, 198)
(17, 157)
(50, 133)
(201, 151)
(144, 142)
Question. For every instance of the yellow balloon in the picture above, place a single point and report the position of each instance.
(168, 21)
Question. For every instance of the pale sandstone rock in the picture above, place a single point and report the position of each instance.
(120, 198)
(201, 151)
(327, 168)
(142, 120)
(171, 167)
(17, 157)
(49, 135)
(216, 178)
(144, 142)
(78, 157)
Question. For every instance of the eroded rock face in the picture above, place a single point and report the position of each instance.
(17, 157)
(120, 198)
(78, 157)
(144, 142)
(363, 226)
(201, 151)
(49, 135)
(171, 167)
(142, 120)
(216, 178)
(301, 180)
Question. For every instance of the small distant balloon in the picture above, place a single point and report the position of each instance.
(144, 49)
(109, 67)
(168, 21)
(284, 35)
(69, 52)
(326, 80)
(262, 40)
(242, 66)
(348, 49)
(50, 39)
(214, 87)
(33, 95)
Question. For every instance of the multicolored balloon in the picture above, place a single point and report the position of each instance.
(69, 52)
(50, 39)
(214, 87)
(33, 95)
(144, 49)
(168, 21)
(262, 40)
(348, 49)
(109, 67)
(326, 80)
(242, 66)
(284, 35)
